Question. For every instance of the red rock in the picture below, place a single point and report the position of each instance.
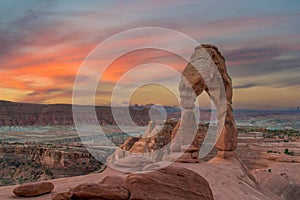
(99, 191)
(24, 114)
(228, 138)
(194, 83)
(132, 163)
(168, 183)
(113, 180)
(226, 154)
(62, 196)
(33, 189)
(129, 143)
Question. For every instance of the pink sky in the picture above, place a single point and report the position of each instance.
(44, 44)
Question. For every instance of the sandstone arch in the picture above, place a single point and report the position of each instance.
(192, 85)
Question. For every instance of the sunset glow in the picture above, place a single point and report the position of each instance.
(43, 44)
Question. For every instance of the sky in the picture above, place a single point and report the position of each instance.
(44, 43)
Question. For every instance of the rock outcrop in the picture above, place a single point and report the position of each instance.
(62, 196)
(173, 183)
(33, 189)
(205, 72)
(21, 163)
(113, 180)
(201, 75)
(99, 191)
(131, 155)
(149, 143)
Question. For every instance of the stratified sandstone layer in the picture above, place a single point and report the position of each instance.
(27, 114)
(21, 163)
(201, 75)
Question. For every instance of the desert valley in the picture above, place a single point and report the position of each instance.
(149, 100)
(52, 149)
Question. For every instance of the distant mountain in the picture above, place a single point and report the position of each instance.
(30, 114)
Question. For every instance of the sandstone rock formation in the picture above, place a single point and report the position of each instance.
(99, 191)
(133, 163)
(126, 156)
(113, 180)
(205, 72)
(168, 183)
(62, 196)
(174, 182)
(135, 151)
(33, 189)
(34, 162)
(199, 76)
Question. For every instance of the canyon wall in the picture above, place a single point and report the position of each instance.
(32, 162)
(27, 114)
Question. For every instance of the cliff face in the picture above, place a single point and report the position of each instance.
(27, 114)
(31, 162)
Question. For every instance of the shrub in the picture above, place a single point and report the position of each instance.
(290, 153)
(286, 151)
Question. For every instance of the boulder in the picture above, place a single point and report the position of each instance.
(99, 191)
(33, 189)
(168, 183)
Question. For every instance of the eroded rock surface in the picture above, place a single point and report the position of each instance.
(33, 189)
(207, 72)
(113, 180)
(62, 196)
(168, 183)
(21, 163)
(99, 191)
(28, 114)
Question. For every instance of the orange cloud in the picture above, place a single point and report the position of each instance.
(132, 59)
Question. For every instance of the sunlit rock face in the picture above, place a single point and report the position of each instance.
(32, 162)
(207, 72)
(28, 114)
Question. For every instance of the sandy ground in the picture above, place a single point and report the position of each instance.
(227, 179)
(271, 174)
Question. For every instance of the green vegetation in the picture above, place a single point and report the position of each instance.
(271, 151)
(287, 134)
(290, 153)
(269, 170)
(6, 181)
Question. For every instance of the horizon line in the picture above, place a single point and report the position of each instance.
(144, 105)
